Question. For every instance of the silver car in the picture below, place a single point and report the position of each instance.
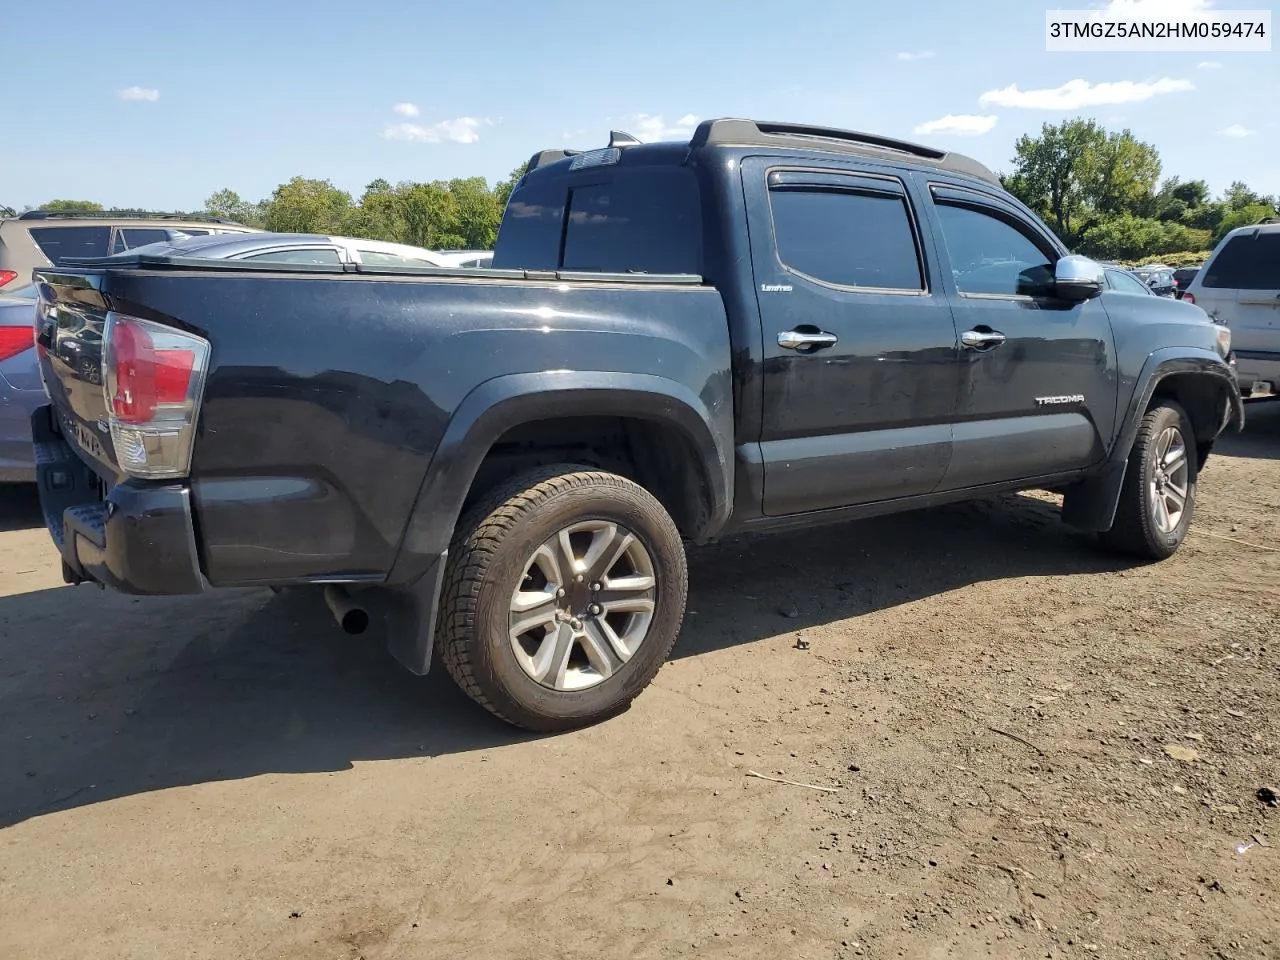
(20, 388)
(41, 238)
(298, 248)
(1239, 287)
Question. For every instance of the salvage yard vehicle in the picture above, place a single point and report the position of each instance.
(768, 326)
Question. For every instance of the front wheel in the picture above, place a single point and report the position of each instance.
(564, 592)
(1159, 494)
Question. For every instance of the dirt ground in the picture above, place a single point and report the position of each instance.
(1031, 750)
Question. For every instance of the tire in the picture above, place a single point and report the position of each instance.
(512, 539)
(1140, 529)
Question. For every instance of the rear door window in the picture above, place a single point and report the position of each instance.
(62, 243)
(846, 237)
(1247, 262)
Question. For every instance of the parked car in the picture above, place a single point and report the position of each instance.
(20, 388)
(1125, 281)
(40, 238)
(1158, 277)
(1182, 278)
(1239, 287)
(767, 326)
(300, 248)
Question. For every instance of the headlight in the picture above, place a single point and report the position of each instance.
(1224, 339)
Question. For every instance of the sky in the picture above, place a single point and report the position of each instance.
(159, 104)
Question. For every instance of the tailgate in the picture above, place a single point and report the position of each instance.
(71, 317)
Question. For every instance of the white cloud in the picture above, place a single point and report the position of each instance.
(650, 127)
(1236, 130)
(1075, 94)
(149, 94)
(958, 125)
(461, 130)
(1209, 65)
(406, 109)
(922, 55)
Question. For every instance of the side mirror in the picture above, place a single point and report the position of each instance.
(1077, 279)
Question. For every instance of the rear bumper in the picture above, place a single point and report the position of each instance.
(136, 538)
(1255, 365)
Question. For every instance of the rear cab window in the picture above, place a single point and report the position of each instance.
(1248, 261)
(615, 219)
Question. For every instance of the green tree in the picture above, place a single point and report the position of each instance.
(478, 212)
(1052, 172)
(503, 190)
(431, 216)
(1243, 217)
(228, 205)
(307, 206)
(7, 211)
(72, 206)
(1119, 173)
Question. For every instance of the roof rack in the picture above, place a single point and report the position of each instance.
(764, 133)
(122, 215)
(772, 133)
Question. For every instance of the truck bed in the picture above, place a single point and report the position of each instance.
(329, 389)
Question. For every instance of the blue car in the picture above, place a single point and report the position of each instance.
(20, 388)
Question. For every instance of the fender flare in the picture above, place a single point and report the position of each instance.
(497, 405)
(1091, 504)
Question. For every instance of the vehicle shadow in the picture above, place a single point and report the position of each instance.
(19, 507)
(1260, 439)
(105, 696)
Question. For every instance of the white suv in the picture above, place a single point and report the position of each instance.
(1239, 287)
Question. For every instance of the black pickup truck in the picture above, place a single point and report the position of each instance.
(767, 326)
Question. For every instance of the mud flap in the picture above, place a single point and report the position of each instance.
(407, 614)
(1091, 504)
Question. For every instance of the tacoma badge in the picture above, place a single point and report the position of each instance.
(1055, 401)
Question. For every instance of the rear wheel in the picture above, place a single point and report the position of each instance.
(1159, 495)
(564, 593)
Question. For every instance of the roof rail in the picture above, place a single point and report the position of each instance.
(773, 133)
(122, 215)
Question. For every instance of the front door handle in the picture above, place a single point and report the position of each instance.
(801, 340)
(982, 339)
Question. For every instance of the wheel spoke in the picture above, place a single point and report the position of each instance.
(552, 658)
(568, 561)
(626, 603)
(600, 650)
(1175, 458)
(1176, 494)
(538, 611)
(545, 559)
(606, 547)
(1162, 445)
(626, 588)
(619, 645)
(1162, 514)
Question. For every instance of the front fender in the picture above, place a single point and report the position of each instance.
(1161, 365)
(1091, 504)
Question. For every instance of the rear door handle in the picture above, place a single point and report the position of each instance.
(799, 340)
(982, 339)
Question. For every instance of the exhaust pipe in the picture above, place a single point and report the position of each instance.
(351, 617)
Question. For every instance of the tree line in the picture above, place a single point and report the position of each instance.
(1100, 190)
(1103, 194)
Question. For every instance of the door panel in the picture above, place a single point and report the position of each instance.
(860, 350)
(1037, 376)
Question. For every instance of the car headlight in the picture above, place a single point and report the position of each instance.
(1224, 339)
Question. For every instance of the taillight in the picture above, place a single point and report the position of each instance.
(153, 383)
(1189, 297)
(7, 276)
(13, 340)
